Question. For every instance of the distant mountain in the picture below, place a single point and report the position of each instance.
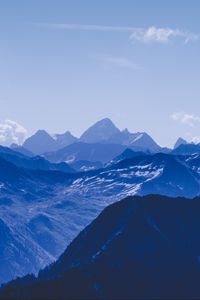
(139, 141)
(144, 142)
(126, 154)
(7, 151)
(187, 149)
(85, 151)
(101, 131)
(139, 248)
(40, 142)
(179, 142)
(64, 139)
(21, 150)
(123, 137)
(105, 131)
(39, 163)
(34, 163)
(12, 175)
(103, 151)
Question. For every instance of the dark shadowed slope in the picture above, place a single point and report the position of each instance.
(47, 209)
(187, 149)
(35, 162)
(139, 248)
(21, 149)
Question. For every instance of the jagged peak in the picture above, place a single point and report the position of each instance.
(180, 141)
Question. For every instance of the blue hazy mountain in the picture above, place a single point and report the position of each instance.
(35, 162)
(21, 149)
(40, 142)
(139, 141)
(12, 176)
(101, 131)
(105, 131)
(187, 149)
(126, 154)
(180, 141)
(139, 248)
(85, 151)
(143, 142)
(64, 139)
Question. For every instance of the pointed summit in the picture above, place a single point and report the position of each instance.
(101, 131)
(179, 142)
(64, 139)
(143, 141)
(40, 142)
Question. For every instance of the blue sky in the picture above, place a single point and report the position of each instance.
(66, 64)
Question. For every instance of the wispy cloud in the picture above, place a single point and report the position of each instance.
(120, 62)
(12, 132)
(144, 35)
(89, 27)
(185, 118)
(161, 35)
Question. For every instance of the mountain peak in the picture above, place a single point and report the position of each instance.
(180, 141)
(105, 122)
(125, 131)
(41, 132)
(66, 133)
(143, 141)
(40, 142)
(64, 139)
(100, 131)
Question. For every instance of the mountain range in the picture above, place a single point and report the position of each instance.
(99, 144)
(139, 248)
(32, 162)
(102, 132)
(48, 197)
(43, 207)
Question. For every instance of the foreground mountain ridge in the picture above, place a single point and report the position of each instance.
(46, 209)
(138, 248)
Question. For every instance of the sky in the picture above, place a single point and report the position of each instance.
(66, 64)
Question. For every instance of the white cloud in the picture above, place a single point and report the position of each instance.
(161, 35)
(145, 35)
(185, 118)
(121, 62)
(12, 132)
